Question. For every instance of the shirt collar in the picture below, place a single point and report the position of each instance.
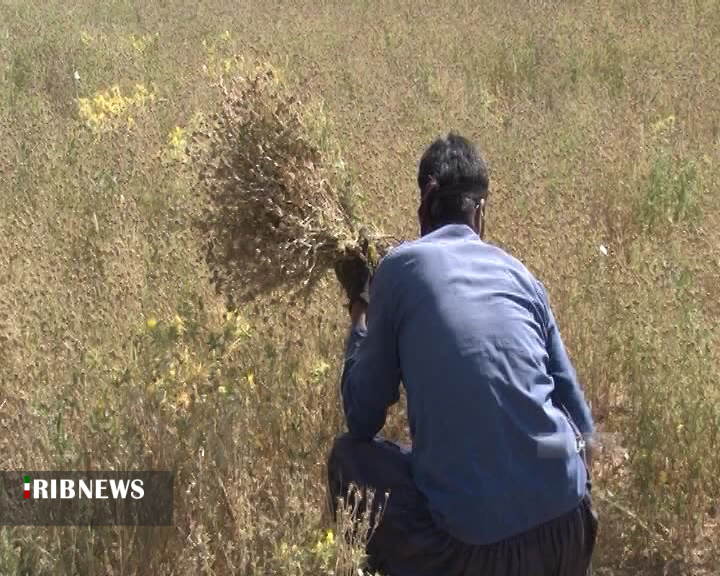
(453, 231)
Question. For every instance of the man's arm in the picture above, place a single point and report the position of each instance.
(371, 375)
(567, 390)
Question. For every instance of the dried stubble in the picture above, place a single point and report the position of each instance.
(601, 124)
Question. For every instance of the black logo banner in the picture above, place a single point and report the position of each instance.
(32, 498)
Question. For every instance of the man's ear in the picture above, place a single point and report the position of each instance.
(424, 208)
(480, 218)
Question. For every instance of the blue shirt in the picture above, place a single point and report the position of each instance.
(469, 332)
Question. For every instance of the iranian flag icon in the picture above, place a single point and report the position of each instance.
(27, 486)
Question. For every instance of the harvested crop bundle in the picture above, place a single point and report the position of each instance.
(279, 208)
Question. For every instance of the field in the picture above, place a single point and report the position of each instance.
(601, 125)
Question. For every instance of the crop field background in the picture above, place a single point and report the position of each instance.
(600, 121)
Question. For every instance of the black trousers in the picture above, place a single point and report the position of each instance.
(407, 542)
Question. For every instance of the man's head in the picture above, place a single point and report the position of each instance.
(453, 181)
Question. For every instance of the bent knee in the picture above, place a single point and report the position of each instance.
(345, 447)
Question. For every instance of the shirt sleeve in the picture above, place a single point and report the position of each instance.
(371, 374)
(567, 389)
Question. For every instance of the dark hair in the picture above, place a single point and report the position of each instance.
(454, 177)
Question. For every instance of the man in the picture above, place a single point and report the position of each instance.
(496, 482)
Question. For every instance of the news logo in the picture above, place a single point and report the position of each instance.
(68, 488)
(91, 498)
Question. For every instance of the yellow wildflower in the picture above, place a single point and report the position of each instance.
(321, 368)
(138, 43)
(177, 138)
(151, 323)
(178, 325)
(142, 94)
(238, 325)
(664, 124)
(110, 104)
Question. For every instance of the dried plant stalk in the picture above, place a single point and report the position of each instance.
(279, 203)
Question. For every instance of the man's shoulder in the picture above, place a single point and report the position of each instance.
(520, 271)
(511, 261)
(436, 240)
(408, 253)
(456, 239)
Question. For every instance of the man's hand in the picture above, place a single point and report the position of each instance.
(358, 315)
(354, 273)
(589, 452)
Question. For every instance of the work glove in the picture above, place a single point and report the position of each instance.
(354, 271)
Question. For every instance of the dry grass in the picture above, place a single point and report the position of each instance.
(278, 202)
(600, 124)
